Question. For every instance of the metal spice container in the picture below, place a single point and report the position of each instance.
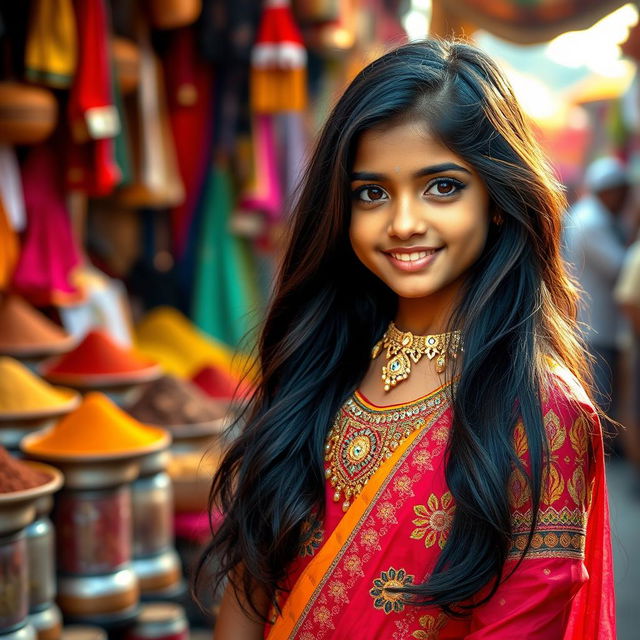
(160, 621)
(14, 580)
(93, 530)
(152, 514)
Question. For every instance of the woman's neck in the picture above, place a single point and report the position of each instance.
(428, 315)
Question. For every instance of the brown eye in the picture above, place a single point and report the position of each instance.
(370, 194)
(445, 187)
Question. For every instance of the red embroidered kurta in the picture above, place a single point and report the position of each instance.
(563, 589)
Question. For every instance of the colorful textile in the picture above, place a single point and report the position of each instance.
(49, 254)
(226, 300)
(9, 249)
(52, 48)
(93, 117)
(398, 524)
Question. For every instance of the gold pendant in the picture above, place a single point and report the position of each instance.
(403, 348)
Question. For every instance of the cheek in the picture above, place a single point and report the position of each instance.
(362, 237)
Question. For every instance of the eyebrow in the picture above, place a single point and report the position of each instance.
(426, 171)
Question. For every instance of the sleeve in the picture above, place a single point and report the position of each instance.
(534, 599)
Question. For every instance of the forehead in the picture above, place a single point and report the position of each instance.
(405, 146)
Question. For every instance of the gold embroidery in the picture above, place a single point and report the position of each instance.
(519, 491)
(338, 590)
(434, 521)
(387, 513)
(361, 439)
(386, 600)
(553, 484)
(431, 627)
(353, 564)
(322, 616)
(577, 487)
(579, 436)
(555, 430)
(520, 440)
(371, 538)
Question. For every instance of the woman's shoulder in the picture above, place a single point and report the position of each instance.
(561, 390)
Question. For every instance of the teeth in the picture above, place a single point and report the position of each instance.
(409, 257)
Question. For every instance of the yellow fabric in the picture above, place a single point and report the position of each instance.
(180, 348)
(9, 249)
(51, 50)
(316, 569)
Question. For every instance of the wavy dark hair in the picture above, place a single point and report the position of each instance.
(518, 308)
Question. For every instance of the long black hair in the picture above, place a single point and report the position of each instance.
(327, 311)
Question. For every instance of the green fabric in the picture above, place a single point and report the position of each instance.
(225, 297)
(121, 141)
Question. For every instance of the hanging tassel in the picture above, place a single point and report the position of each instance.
(278, 62)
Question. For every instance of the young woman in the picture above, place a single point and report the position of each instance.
(421, 459)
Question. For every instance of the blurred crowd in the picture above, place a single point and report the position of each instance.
(601, 245)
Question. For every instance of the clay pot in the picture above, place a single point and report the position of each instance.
(171, 14)
(28, 114)
(126, 58)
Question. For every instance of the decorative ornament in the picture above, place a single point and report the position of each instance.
(403, 348)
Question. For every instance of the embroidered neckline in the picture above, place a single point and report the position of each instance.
(364, 435)
(372, 406)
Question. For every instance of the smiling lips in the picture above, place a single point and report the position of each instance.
(413, 258)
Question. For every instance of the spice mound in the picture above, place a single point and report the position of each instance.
(15, 475)
(96, 427)
(23, 392)
(98, 355)
(23, 329)
(217, 383)
(172, 402)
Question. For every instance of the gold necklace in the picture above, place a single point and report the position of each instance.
(403, 348)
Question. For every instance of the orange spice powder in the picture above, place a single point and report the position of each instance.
(97, 426)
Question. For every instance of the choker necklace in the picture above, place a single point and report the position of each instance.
(403, 348)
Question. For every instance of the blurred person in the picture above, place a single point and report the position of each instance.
(420, 458)
(595, 247)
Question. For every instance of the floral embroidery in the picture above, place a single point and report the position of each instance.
(553, 484)
(386, 513)
(579, 436)
(403, 485)
(338, 590)
(386, 600)
(556, 433)
(311, 536)
(322, 616)
(431, 627)
(434, 521)
(371, 538)
(353, 564)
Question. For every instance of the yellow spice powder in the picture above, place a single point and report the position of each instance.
(23, 391)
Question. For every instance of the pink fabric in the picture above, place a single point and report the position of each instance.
(49, 253)
(563, 589)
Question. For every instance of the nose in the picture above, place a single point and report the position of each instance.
(407, 218)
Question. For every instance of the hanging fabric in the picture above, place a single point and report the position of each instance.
(189, 83)
(93, 118)
(9, 249)
(49, 255)
(157, 181)
(278, 62)
(51, 52)
(11, 188)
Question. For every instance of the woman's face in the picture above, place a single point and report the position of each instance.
(419, 212)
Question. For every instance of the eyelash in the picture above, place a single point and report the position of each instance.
(459, 186)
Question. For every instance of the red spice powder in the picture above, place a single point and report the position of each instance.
(18, 476)
(99, 354)
(217, 383)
